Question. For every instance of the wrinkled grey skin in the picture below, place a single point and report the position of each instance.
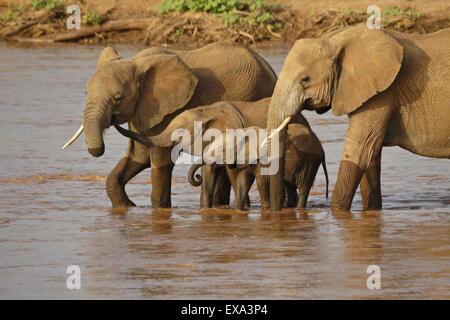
(393, 87)
(304, 155)
(148, 90)
(304, 148)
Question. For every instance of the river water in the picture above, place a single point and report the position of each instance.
(54, 212)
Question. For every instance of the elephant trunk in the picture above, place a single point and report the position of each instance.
(168, 138)
(96, 119)
(194, 179)
(284, 104)
(160, 140)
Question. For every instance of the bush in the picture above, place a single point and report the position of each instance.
(91, 17)
(8, 16)
(396, 11)
(47, 4)
(233, 12)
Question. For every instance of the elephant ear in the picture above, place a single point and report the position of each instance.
(167, 85)
(368, 61)
(108, 54)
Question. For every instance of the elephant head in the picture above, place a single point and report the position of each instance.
(143, 88)
(341, 72)
(218, 117)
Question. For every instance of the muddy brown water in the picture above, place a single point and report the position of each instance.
(54, 212)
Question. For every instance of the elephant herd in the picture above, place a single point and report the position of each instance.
(393, 87)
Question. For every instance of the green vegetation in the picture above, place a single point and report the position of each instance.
(395, 12)
(354, 11)
(8, 16)
(233, 12)
(212, 6)
(91, 17)
(47, 4)
(13, 13)
(392, 14)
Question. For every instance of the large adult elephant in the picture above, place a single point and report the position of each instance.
(151, 88)
(393, 87)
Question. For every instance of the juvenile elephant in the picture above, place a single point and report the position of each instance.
(393, 87)
(150, 89)
(305, 151)
(304, 154)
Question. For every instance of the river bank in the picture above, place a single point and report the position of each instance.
(142, 22)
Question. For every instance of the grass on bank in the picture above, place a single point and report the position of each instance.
(233, 12)
(48, 4)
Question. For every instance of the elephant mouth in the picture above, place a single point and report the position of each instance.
(117, 120)
(308, 104)
(114, 121)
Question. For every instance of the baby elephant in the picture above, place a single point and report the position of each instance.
(304, 154)
(303, 147)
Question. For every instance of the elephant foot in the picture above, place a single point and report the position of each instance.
(117, 179)
(161, 199)
(123, 204)
(117, 195)
(371, 188)
(161, 204)
(348, 180)
(302, 199)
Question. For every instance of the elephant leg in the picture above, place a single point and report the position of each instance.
(162, 167)
(292, 197)
(208, 183)
(247, 201)
(232, 176)
(349, 176)
(244, 182)
(262, 182)
(371, 185)
(365, 136)
(136, 161)
(222, 188)
(305, 183)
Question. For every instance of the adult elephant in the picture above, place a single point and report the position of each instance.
(393, 87)
(151, 88)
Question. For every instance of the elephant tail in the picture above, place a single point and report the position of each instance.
(194, 179)
(324, 165)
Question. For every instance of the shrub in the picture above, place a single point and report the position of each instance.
(91, 17)
(233, 12)
(47, 4)
(395, 11)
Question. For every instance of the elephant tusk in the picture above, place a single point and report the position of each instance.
(75, 137)
(281, 127)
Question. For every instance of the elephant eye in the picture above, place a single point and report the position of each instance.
(118, 97)
(305, 79)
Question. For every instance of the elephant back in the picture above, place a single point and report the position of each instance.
(229, 72)
(300, 138)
